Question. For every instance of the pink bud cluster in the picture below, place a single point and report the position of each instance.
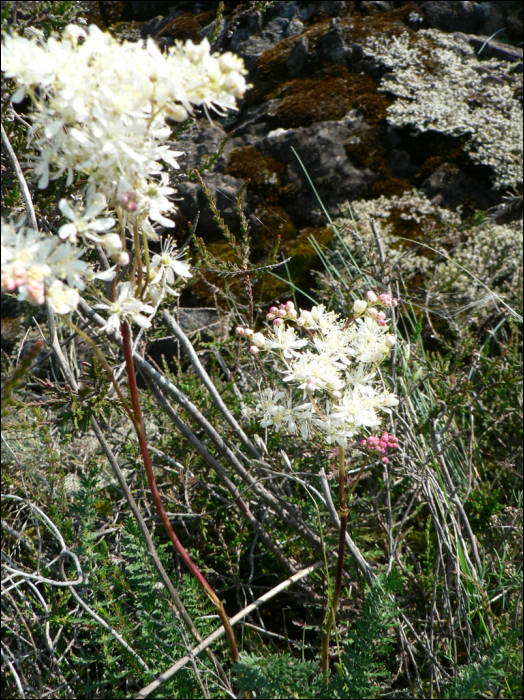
(278, 314)
(127, 200)
(382, 444)
(384, 299)
(32, 279)
(257, 339)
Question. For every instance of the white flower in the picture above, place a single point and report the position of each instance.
(65, 264)
(60, 298)
(325, 320)
(285, 340)
(283, 415)
(126, 307)
(84, 222)
(168, 264)
(367, 341)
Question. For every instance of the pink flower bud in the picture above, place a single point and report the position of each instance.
(253, 350)
(289, 305)
(381, 322)
(273, 310)
(239, 330)
(270, 317)
(362, 442)
(381, 316)
(385, 460)
(282, 312)
(371, 297)
(311, 386)
(372, 312)
(278, 322)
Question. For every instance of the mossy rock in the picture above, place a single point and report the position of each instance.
(330, 96)
(264, 173)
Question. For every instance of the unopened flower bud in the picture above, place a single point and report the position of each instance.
(381, 316)
(300, 321)
(278, 322)
(289, 305)
(311, 386)
(282, 312)
(121, 257)
(273, 310)
(248, 332)
(292, 313)
(391, 341)
(253, 350)
(270, 317)
(177, 113)
(239, 330)
(385, 460)
(391, 400)
(259, 340)
(336, 394)
(372, 312)
(359, 306)
(371, 297)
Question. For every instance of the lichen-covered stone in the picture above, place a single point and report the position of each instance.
(439, 87)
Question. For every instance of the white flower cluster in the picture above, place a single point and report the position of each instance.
(491, 252)
(330, 371)
(100, 109)
(441, 86)
(35, 266)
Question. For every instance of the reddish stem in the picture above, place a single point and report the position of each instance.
(139, 426)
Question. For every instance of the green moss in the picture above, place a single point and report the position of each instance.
(264, 173)
(273, 222)
(329, 96)
(183, 28)
(365, 149)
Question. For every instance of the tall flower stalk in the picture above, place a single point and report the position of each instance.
(329, 392)
(99, 110)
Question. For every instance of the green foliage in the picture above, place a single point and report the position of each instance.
(277, 676)
(49, 17)
(363, 671)
(476, 678)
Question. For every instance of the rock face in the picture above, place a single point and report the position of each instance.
(327, 89)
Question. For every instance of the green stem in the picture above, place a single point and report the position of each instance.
(341, 545)
(133, 390)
